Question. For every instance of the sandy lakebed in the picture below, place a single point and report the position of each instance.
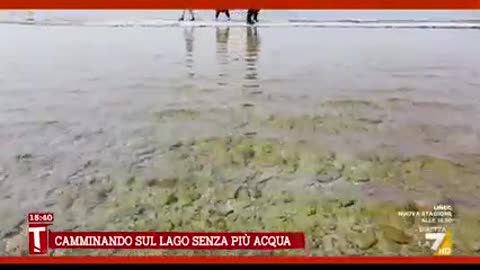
(326, 131)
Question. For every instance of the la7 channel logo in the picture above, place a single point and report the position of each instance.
(442, 244)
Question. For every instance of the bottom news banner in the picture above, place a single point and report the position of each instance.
(42, 240)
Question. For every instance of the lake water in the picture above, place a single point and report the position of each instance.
(75, 101)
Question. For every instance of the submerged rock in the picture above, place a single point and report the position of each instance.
(242, 193)
(220, 224)
(329, 244)
(359, 172)
(167, 198)
(347, 203)
(329, 175)
(395, 235)
(224, 209)
(65, 200)
(364, 240)
(188, 195)
(169, 182)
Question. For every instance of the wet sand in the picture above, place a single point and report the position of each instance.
(329, 131)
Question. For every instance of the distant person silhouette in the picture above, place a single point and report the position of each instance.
(218, 12)
(192, 16)
(252, 16)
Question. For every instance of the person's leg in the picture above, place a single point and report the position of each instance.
(192, 15)
(255, 15)
(249, 16)
(182, 17)
(217, 13)
(228, 14)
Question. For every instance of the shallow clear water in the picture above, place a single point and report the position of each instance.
(74, 96)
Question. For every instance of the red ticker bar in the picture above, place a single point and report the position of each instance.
(177, 240)
(238, 260)
(241, 4)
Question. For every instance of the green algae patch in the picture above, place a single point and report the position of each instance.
(433, 168)
(327, 123)
(250, 183)
(332, 226)
(353, 104)
(260, 153)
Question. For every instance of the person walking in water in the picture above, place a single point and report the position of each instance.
(218, 12)
(252, 16)
(192, 16)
